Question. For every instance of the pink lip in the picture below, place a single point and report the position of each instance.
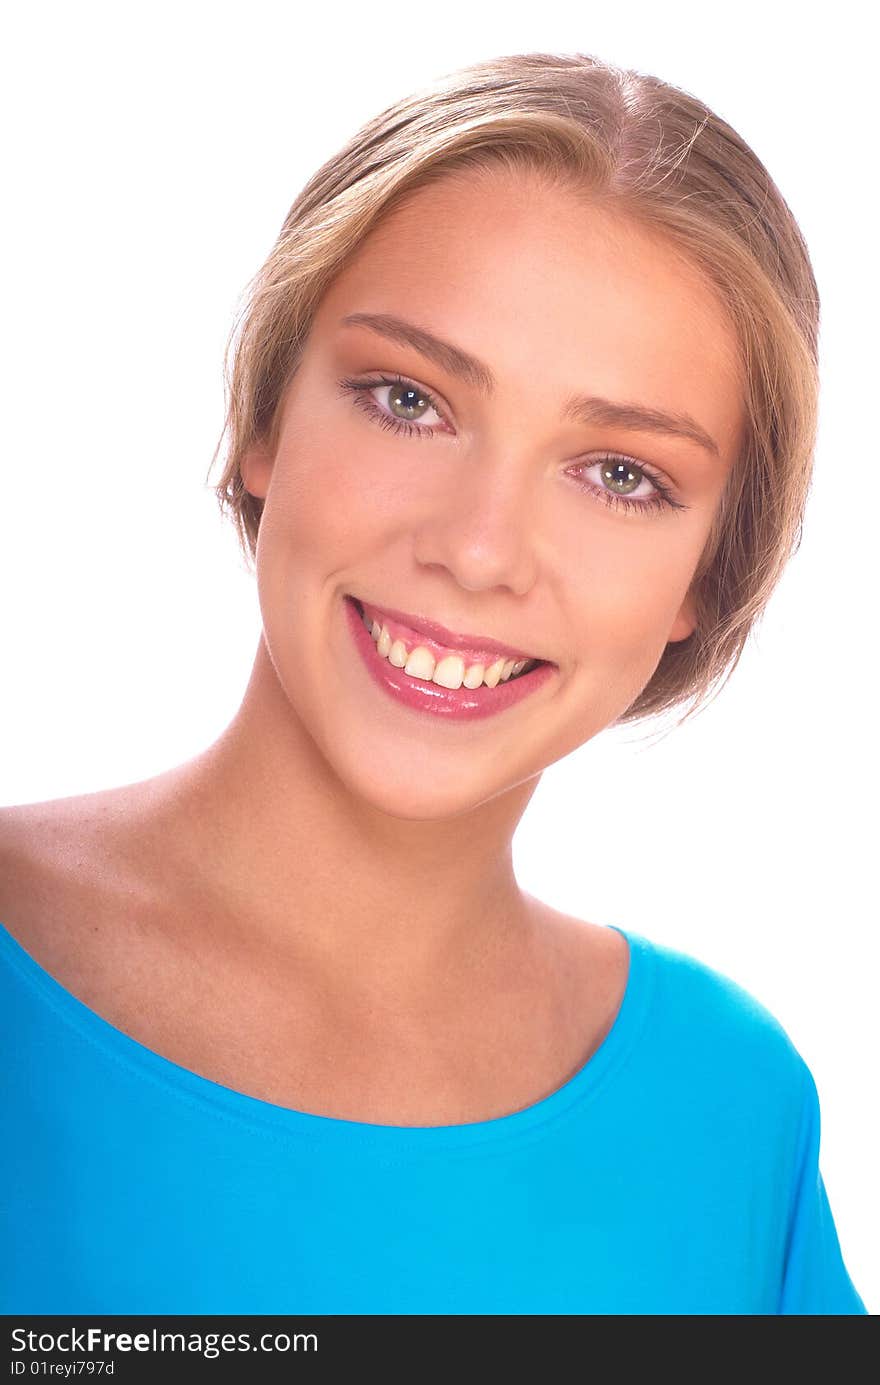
(477, 647)
(457, 704)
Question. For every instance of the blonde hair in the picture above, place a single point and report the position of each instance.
(635, 144)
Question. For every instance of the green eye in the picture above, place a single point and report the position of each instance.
(407, 403)
(404, 396)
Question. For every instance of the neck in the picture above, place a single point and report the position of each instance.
(285, 862)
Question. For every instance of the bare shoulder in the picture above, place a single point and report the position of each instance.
(63, 867)
(86, 890)
(596, 941)
(34, 839)
(594, 957)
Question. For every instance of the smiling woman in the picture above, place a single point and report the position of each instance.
(521, 415)
(557, 496)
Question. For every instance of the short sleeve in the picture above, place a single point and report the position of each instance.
(815, 1279)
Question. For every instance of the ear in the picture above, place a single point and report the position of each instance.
(685, 622)
(256, 469)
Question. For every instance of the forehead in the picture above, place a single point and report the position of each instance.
(519, 271)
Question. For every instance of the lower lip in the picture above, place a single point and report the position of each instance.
(463, 704)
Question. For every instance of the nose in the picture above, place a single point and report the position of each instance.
(483, 525)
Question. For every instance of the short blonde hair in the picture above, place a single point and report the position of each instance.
(635, 144)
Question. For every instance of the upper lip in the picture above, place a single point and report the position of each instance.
(468, 644)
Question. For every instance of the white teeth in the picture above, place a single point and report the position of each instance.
(397, 654)
(494, 673)
(448, 672)
(421, 662)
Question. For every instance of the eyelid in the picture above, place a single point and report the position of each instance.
(397, 377)
(663, 484)
(654, 474)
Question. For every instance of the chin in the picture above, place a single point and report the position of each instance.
(414, 797)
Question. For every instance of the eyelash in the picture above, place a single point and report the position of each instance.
(661, 500)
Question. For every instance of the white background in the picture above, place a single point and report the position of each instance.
(151, 153)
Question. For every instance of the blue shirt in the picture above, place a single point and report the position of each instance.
(675, 1173)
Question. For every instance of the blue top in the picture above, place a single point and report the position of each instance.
(675, 1173)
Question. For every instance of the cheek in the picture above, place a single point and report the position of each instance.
(315, 506)
(622, 608)
(632, 582)
(619, 642)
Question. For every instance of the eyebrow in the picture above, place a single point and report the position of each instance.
(589, 408)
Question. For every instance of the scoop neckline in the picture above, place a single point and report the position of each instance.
(284, 1120)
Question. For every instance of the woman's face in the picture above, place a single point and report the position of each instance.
(482, 497)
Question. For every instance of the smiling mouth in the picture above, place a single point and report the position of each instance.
(422, 655)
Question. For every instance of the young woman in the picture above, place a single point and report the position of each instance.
(521, 415)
